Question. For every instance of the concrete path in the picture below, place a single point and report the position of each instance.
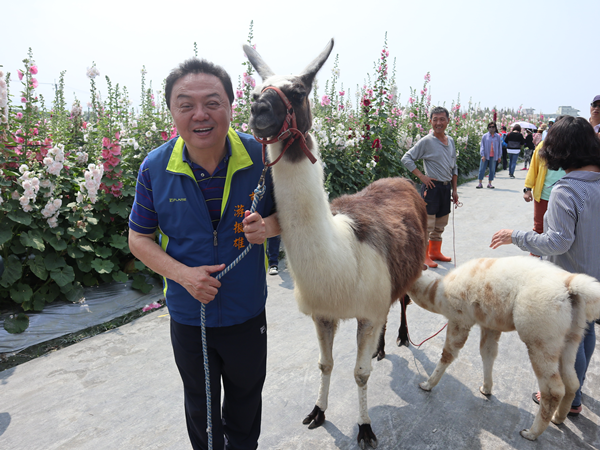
(121, 390)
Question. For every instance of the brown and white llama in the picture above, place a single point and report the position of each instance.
(351, 259)
(546, 305)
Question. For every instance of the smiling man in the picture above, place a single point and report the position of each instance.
(195, 192)
(439, 181)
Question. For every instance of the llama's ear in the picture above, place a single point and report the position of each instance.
(308, 75)
(257, 62)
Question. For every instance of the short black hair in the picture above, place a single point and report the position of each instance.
(571, 144)
(195, 65)
(439, 110)
(494, 124)
(516, 127)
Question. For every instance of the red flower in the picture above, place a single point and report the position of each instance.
(376, 144)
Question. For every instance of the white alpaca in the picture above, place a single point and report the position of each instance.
(546, 305)
(350, 259)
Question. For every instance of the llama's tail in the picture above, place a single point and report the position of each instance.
(586, 290)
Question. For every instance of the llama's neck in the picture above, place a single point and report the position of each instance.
(302, 204)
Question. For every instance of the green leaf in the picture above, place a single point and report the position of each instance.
(85, 245)
(33, 239)
(102, 265)
(103, 252)
(17, 248)
(53, 261)
(13, 270)
(95, 233)
(120, 208)
(119, 242)
(38, 267)
(46, 294)
(63, 276)
(89, 279)
(6, 233)
(76, 232)
(139, 282)
(74, 252)
(16, 324)
(21, 292)
(85, 263)
(92, 221)
(57, 242)
(73, 292)
(139, 265)
(120, 276)
(20, 216)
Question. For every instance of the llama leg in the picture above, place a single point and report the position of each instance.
(402, 338)
(456, 337)
(488, 348)
(568, 374)
(380, 350)
(552, 389)
(366, 337)
(325, 333)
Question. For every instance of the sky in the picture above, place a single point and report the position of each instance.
(535, 54)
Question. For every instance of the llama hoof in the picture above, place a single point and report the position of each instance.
(316, 418)
(380, 355)
(402, 342)
(528, 435)
(366, 436)
(425, 386)
(556, 420)
(486, 392)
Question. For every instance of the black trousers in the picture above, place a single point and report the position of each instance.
(438, 200)
(237, 357)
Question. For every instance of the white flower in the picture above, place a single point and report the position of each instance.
(92, 72)
(153, 127)
(23, 168)
(148, 134)
(79, 197)
(15, 195)
(24, 201)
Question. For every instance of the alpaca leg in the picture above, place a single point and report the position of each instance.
(456, 337)
(366, 337)
(325, 333)
(552, 389)
(569, 376)
(488, 348)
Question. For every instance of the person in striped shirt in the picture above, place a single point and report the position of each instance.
(570, 238)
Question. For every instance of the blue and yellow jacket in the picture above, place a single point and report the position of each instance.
(186, 232)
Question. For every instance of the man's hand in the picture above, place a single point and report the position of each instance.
(199, 282)
(528, 196)
(255, 229)
(483, 158)
(455, 197)
(502, 237)
(427, 181)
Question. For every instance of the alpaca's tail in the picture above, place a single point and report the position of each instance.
(586, 290)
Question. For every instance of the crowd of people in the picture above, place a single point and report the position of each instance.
(192, 212)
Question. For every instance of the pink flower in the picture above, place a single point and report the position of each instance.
(20, 74)
(151, 306)
(23, 100)
(325, 101)
(34, 83)
(239, 93)
(164, 135)
(33, 70)
(342, 93)
(19, 115)
(244, 127)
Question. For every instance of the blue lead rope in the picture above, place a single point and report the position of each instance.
(258, 195)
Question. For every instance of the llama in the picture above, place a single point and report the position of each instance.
(351, 259)
(546, 305)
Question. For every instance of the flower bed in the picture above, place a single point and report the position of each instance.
(67, 177)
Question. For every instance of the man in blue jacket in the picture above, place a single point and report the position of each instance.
(195, 193)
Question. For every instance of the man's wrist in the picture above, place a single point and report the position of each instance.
(526, 190)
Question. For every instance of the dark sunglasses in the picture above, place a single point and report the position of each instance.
(491, 127)
(595, 105)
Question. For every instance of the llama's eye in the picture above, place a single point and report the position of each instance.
(254, 97)
(298, 96)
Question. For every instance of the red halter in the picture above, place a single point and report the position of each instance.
(289, 132)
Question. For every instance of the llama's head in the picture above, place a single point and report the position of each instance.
(268, 111)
